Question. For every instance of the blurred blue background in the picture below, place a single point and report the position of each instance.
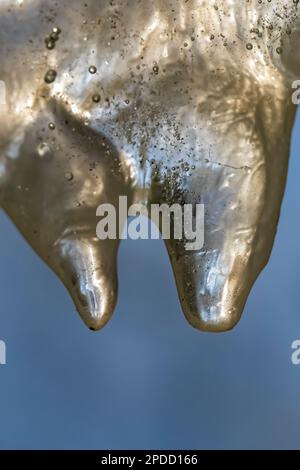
(148, 380)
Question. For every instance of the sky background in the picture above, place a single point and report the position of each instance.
(149, 380)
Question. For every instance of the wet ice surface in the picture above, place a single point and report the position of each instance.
(180, 102)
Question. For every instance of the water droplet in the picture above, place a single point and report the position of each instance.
(50, 76)
(96, 98)
(50, 44)
(56, 30)
(249, 46)
(279, 50)
(44, 150)
(69, 176)
(92, 69)
(54, 37)
(156, 69)
(51, 126)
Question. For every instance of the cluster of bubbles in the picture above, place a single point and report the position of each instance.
(287, 29)
(256, 33)
(52, 38)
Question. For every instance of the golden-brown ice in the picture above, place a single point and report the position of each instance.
(161, 101)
